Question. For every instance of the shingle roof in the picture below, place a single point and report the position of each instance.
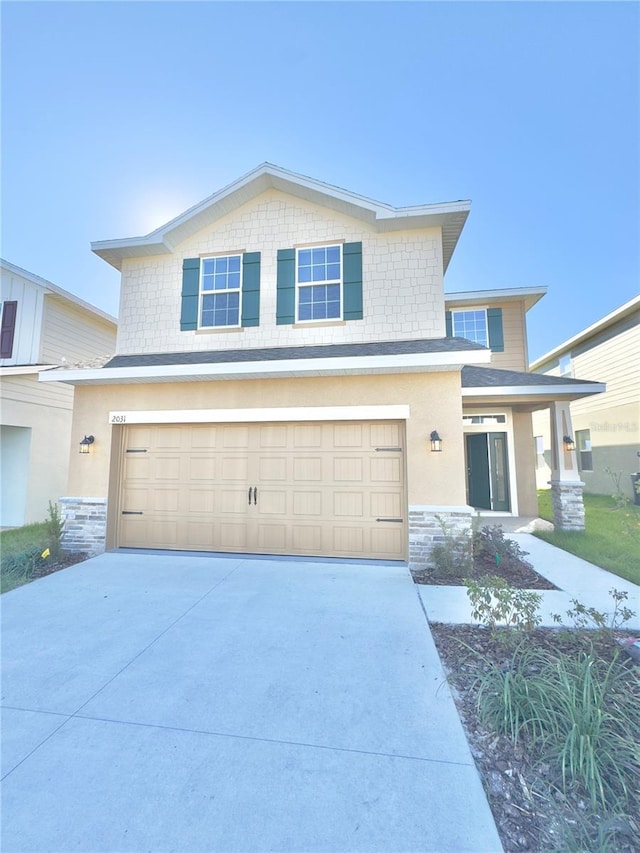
(488, 377)
(431, 345)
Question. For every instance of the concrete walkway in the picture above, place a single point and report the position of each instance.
(192, 703)
(574, 577)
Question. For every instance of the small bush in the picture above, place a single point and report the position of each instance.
(54, 525)
(603, 622)
(490, 544)
(493, 601)
(453, 555)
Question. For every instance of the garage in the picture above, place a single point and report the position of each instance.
(305, 488)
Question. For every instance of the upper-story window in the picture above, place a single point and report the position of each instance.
(482, 325)
(565, 366)
(319, 283)
(471, 325)
(220, 288)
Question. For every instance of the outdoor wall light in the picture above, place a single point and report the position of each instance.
(436, 442)
(569, 443)
(86, 443)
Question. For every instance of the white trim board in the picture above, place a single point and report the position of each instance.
(267, 415)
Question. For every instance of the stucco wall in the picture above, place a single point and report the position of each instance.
(402, 281)
(434, 398)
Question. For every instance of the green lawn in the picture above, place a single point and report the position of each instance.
(611, 539)
(18, 550)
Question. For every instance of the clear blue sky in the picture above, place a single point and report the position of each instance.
(118, 116)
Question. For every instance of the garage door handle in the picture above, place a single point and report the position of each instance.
(249, 495)
(132, 512)
(255, 494)
(391, 449)
(397, 520)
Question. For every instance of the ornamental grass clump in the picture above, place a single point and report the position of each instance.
(578, 713)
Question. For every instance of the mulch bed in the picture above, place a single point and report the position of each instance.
(519, 574)
(530, 812)
(48, 566)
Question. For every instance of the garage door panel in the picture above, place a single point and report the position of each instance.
(319, 488)
(307, 503)
(348, 504)
(201, 467)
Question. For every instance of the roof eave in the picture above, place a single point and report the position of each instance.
(286, 368)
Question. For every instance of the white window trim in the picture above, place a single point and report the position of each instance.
(511, 451)
(202, 292)
(469, 310)
(299, 285)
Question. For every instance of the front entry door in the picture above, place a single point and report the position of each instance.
(488, 471)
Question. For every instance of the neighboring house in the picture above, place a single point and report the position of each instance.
(284, 376)
(607, 426)
(43, 327)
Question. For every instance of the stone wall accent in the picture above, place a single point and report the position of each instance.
(425, 529)
(85, 524)
(568, 505)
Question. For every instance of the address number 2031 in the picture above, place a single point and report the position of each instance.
(118, 419)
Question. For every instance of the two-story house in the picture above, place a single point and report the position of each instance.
(43, 327)
(289, 380)
(607, 426)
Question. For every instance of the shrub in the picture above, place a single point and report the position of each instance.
(17, 567)
(54, 525)
(489, 544)
(605, 623)
(453, 555)
(493, 601)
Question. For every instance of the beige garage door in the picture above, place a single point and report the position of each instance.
(334, 489)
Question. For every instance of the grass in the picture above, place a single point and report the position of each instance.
(19, 553)
(611, 539)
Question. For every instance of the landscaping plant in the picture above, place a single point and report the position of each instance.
(494, 602)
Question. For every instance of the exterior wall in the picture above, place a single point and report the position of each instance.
(434, 400)
(73, 334)
(46, 412)
(402, 281)
(30, 299)
(514, 331)
(613, 418)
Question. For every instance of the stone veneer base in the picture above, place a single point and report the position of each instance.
(425, 529)
(85, 524)
(567, 504)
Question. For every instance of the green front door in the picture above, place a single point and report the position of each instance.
(488, 470)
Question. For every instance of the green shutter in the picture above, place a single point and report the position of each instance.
(190, 291)
(352, 281)
(448, 324)
(251, 289)
(494, 323)
(286, 287)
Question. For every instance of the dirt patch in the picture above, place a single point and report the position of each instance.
(530, 811)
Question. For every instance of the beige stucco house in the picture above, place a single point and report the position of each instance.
(290, 378)
(43, 327)
(607, 426)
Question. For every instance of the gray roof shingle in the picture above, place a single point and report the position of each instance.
(488, 377)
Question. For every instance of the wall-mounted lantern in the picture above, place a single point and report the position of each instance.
(86, 443)
(569, 443)
(436, 442)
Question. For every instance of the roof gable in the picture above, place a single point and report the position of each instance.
(450, 216)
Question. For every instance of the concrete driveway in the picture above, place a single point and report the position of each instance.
(201, 703)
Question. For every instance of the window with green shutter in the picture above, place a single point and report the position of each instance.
(220, 292)
(319, 283)
(482, 325)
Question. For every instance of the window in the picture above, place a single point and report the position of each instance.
(319, 283)
(9, 311)
(540, 460)
(564, 365)
(583, 446)
(220, 291)
(471, 325)
(469, 420)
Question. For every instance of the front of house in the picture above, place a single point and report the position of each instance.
(289, 380)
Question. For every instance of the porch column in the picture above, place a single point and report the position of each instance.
(566, 486)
